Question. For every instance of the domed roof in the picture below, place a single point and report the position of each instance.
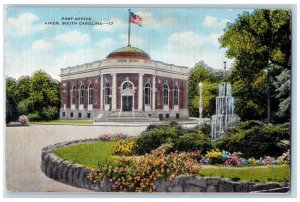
(129, 52)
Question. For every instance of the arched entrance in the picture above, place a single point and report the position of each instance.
(127, 96)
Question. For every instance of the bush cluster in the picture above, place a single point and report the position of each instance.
(182, 139)
(138, 174)
(255, 139)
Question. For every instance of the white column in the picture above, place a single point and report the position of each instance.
(153, 92)
(140, 96)
(101, 92)
(114, 92)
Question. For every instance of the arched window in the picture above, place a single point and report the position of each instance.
(90, 92)
(81, 94)
(127, 85)
(166, 94)
(147, 94)
(176, 95)
(106, 93)
(73, 95)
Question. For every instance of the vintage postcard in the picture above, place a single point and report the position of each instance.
(140, 99)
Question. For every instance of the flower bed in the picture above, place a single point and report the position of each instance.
(216, 157)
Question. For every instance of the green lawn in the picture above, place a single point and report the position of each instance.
(87, 154)
(65, 122)
(262, 173)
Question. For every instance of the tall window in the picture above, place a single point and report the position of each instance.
(63, 98)
(166, 94)
(73, 95)
(147, 94)
(90, 92)
(81, 94)
(176, 95)
(106, 93)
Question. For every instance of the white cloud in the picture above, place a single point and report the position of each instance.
(24, 24)
(73, 38)
(188, 48)
(149, 20)
(184, 40)
(210, 21)
(41, 45)
(117, 24)
(30, 61)
(104, 43)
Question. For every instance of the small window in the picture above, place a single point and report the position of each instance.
(89, 115)
(79, 115)
(71, 114)
(167, 116)
(149, 115)
(177, 116)
(160, 116)
(64, 114)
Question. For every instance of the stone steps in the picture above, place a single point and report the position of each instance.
(130, 116)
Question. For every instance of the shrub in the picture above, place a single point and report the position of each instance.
(234, 160)
(284, 158)
(105, 137)
(110, 137)
(252, 161)
(152, 139)
(34, 117)
(123, 147)
(49, 113)
(139, 174)
(267, 161)
(23, 120)
(203, 128)
(254, 139)
(192, 142)
(214, 156)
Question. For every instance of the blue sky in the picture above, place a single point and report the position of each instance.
(180, 36)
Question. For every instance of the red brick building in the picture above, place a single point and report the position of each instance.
(125, 86)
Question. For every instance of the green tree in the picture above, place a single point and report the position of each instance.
(210, 79)
(261, 46)
(36, 96)
(11, 101)
(283, 89)
(44, 96)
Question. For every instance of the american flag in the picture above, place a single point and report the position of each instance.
(135, 19)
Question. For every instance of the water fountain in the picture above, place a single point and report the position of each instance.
(224, 110)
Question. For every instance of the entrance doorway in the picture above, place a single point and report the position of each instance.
(127, 103)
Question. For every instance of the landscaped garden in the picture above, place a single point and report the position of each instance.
(166, 151)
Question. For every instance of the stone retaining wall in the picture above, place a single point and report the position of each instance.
(67, 172)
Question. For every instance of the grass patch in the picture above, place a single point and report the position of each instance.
(87, 154)
(262, 173)
(65, 122)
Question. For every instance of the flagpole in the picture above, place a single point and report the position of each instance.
(129, 27)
